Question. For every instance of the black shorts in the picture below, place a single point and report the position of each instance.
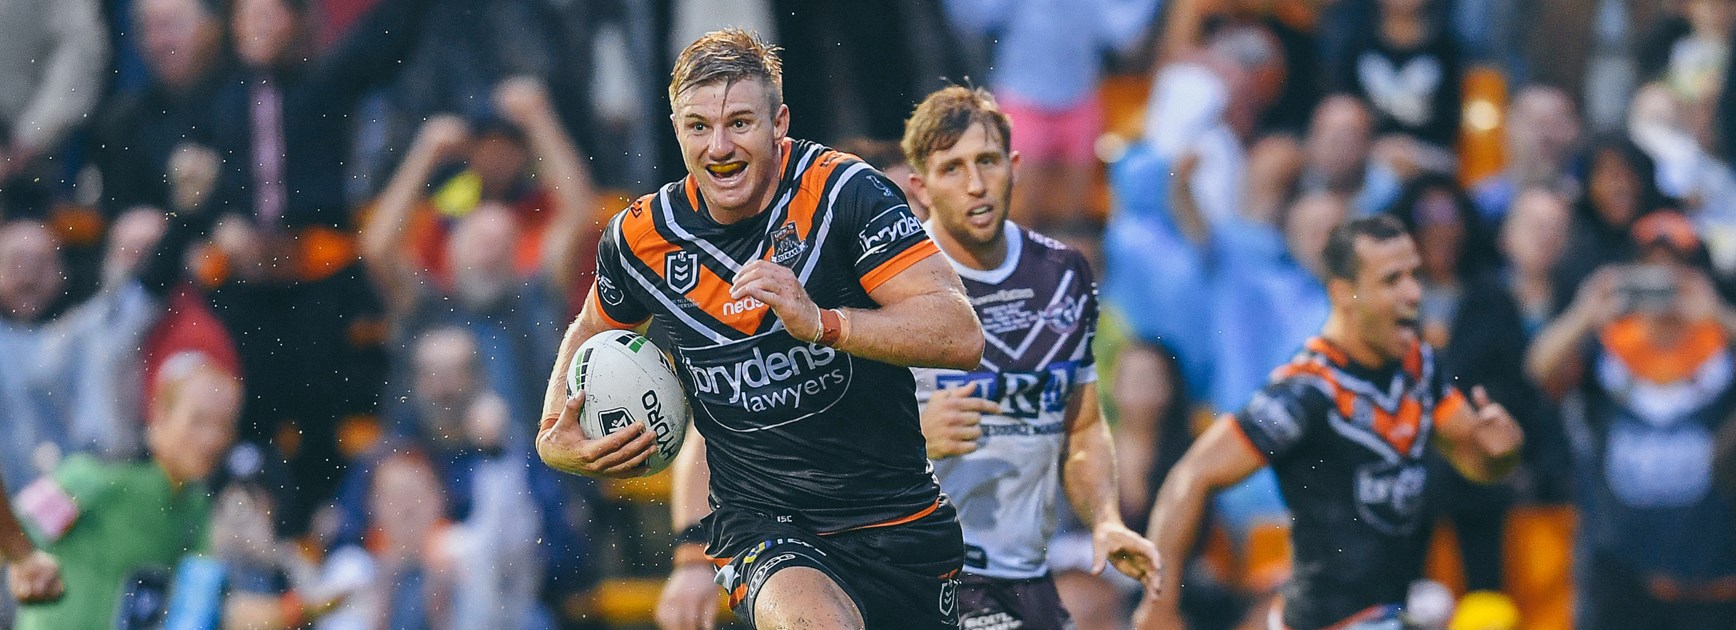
(899, 576)
(987, 603)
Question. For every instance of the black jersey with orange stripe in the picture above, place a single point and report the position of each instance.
(795, 430)
(1349, 445)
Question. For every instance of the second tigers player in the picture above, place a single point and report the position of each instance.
(1347, 426)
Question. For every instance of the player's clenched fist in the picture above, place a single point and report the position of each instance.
(35, 579)
(561, 443)
(778, 288)
(952, 421)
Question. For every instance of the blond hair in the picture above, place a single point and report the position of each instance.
(945, 115)
(728, 55)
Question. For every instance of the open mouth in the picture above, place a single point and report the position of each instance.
(980, 215)
(726, 172)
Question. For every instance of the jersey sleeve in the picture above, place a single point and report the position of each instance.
(885, 236)
(610, 296)
(1279, 417)
(1088, 312)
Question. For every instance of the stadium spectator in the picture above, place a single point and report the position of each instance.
(52, 54)
(514, 310)
(280, 121)
(1406, 65)
(1339, 157)
(1532, 240)
(1542, 134)
(70, 374)
(1659, 121)
(1046, 66)
(499, 501)
(1621, 185)
(136, 134)
(107, 522)
(1648, 346)
(406, 516)
(1288, 89)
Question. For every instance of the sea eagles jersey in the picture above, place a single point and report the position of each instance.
(1039, 313)
(794, 430)
(1350, 447)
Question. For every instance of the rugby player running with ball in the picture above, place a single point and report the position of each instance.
(796, 290)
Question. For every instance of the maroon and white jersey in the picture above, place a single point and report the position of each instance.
(1039, 315)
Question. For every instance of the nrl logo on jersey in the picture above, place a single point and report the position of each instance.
(681, 270)
(787, 246)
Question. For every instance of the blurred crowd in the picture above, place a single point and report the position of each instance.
(291, 272)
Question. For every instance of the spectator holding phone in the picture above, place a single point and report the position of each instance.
(1648, 346)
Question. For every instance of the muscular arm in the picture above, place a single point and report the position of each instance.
(690, 483)
(1217, 460)
(924, 320)
(1088, 468)
(1088, 475)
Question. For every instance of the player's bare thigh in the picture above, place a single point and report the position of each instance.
(800, 598)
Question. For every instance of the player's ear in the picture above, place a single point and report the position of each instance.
(781, 122)
(1013, 163)
(1340, 290)
(919, 189)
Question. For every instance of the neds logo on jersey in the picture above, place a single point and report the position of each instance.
(765, 381)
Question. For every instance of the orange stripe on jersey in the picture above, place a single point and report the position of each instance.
(887, 270)
(597, 307)
(639, 236)
(1236, 427)
(711, 293)
(810, 191)
(897, 521)
(1449, 406)
(1399, 428)
(1331, 350)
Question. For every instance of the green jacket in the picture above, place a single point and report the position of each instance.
(127, 518)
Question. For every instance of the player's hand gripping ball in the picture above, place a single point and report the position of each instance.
(626, 379)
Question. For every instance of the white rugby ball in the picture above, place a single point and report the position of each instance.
(626, 379)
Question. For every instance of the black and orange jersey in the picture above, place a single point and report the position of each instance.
(1350, 447)
(794, 430)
